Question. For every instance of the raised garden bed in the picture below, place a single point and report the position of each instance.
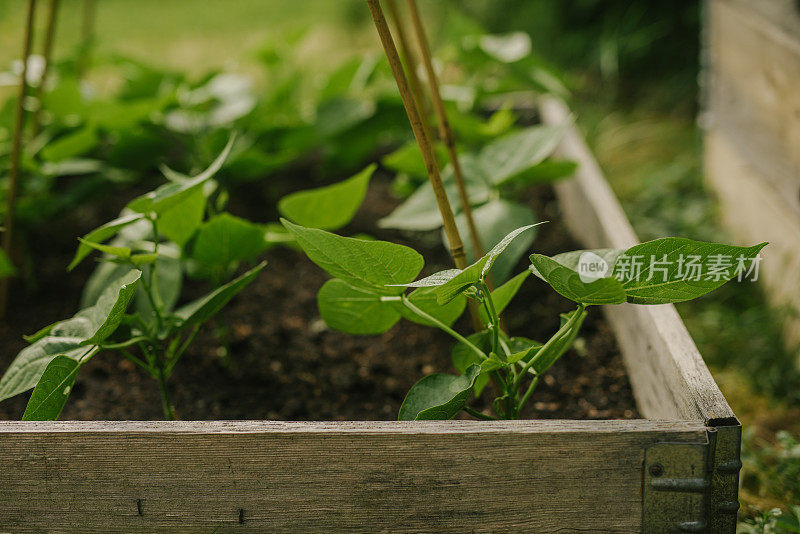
(675, 470)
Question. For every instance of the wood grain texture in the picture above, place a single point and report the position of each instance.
(534, 476)
(752, 122)
(667, 373)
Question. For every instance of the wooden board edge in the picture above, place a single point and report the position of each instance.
(669, 377)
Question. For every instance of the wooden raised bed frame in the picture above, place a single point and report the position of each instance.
(676, 471)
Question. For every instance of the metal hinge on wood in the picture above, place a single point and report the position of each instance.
(677, 488)
(693, 487)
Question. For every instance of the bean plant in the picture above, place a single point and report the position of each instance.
(145, 253)
(368, 295)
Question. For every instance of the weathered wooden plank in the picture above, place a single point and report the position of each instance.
(753, 76)
(668, 375)
(752, 158)
(535, 476)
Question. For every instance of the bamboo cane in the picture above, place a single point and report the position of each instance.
(87, 34)
(450, 228)
(47, 53)
(445, 130)
(407, 55)
(16, 149)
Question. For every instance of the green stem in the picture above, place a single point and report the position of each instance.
(178, 353)
(137, 361)
(169, 413)
(494, 327)
(550, 342)
(444, 327)
(479, 415)
(527, 395)
(125, 344)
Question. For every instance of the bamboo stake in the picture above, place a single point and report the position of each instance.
(445, 130)
(16, 149)
(87, 34)
(47, 53)
(407, 54)
(450, 228)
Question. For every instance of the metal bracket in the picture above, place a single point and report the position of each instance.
(725, 437)
(676, 488)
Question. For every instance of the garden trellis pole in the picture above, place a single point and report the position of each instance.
(47, 53)
(445, 130)
(407, 55)
(448, 220)
(16, 150)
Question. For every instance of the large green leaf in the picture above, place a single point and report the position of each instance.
(329, 207)
(438, 396)
(106, 315)
(665, 274)
(355, 310)
(180, 222)
(202, 309)
(495, 220)
(463, 357)
(102, 233)
(225, 239)
(515, 153)
(339, 114)
(373, 265)
(52, 390)
(424, 298)
(420, 212)
(502, 296)
(169, 195)
(567, 282)
(26, 369)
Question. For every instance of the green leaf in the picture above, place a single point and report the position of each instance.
(546, 172)
(169, 280)
(463, 357)
(170, 195)
(202, 309)
(515, 153)
(495, 220)
(225, 239)
(52, 390)
(477, 271)
(100, 234)
(424, 298)
(339, 114)
(112, 250)
(567, 282)
(372, 265)
(438, 396)
(180, 222)
(420, 212)
(330, 207)
(71, 145)
(665, 275)
(105, 316)
(408, 159)
(502, 296)
(354, 310)
(26, 369)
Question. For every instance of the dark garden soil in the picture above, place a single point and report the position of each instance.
(284, 363)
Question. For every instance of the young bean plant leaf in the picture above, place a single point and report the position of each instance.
(100, 234)
(425, 299)
(568, 283)
(438, 396)
(204, 308)
(88, 327)
(463, 357)
(509, 156)
(330, 207)
(169, 195)
(668, 272)
(374, 265)
(52, 390)
(355, 310)
(225, 239)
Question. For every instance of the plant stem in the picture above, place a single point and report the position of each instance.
(16, 150)
(445, 130)
(411, 66)
(550, 342)
(47, 53)
(178, 353)
(444, 327)
(479, 415)
(493, 317)
(527, 395)
(169, 413)
(137, 361)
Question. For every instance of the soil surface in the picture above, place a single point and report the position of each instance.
(283, 362)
